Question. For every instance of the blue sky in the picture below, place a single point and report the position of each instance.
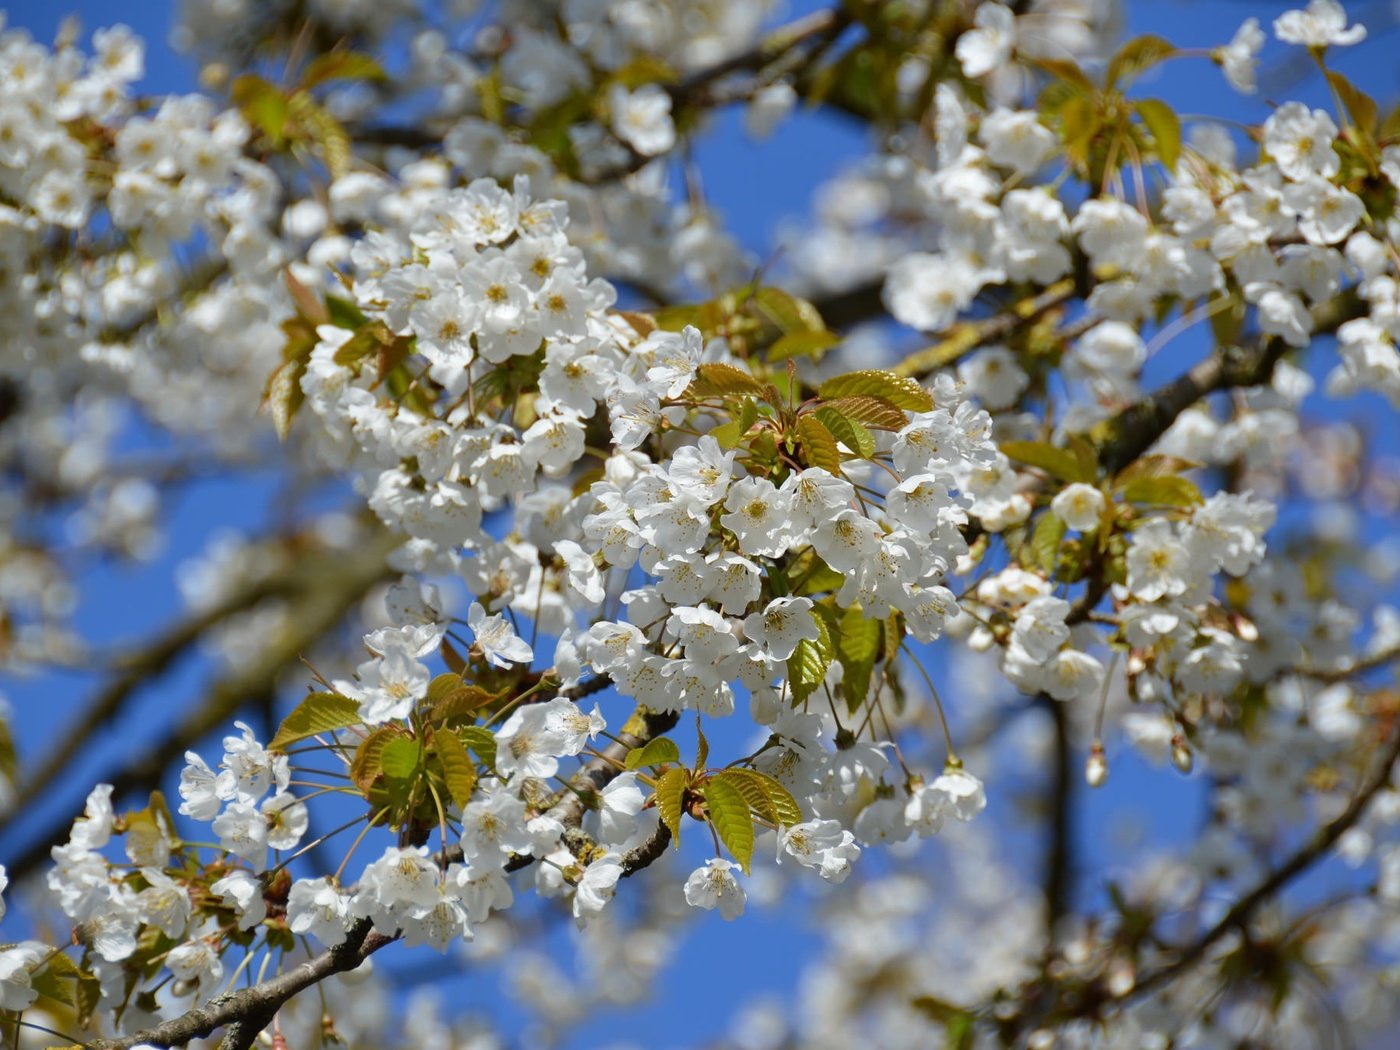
(755, 186)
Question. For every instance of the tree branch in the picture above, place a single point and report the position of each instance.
(325, 585)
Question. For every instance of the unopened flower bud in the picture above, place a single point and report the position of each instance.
(1096, 768)
(1182, 756)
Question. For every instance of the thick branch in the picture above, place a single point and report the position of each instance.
(1134, 430)
(1059, 852)
(252, 1009)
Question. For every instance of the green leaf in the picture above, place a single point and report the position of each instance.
(1085, 454)
(808, 663)
(730, 434)
(1059, 462)
(1164, 126)
(52, 980)
(655, 753)
(1360, 106)
(721, 380)
(787, 312)
(702, 746)
(729, 814)
(871, 411)
(367, 763)
(263, 106)
(818, 444)
(811, 344)
(900, 391)
(340, 65)
(344, 314)
(857, 650)
(318, 713)
(1137, 56)
(458, 770)
(1166, 492)
(401, 758)
(670, 795)
(482, 743)
(1045, 541)
(847, 431)
(765, 796)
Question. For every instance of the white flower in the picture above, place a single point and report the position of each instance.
(93, 829)
(714, 886)
(198, 789)
(956, 793)
(1322, 23)
(583, 575)
(1300, 139)
(318, 907)
(1079, 506)
(781, 625)
(987, 47)
(4, 883)
(244, 894)
(496, 638)
(927, 291)
(642, 118)
(823, 845)
(1159, 564)
(759, 516)
(16, 962)
(1239, 57)
(1073, 675)
(596, 887)
(195, 962)
(993, 375)
(1016, 139)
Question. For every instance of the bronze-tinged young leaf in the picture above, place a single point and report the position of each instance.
(367, 763)
(318, 713)
(285, 396)
(870, 411)
(900, 391)
(847, 431)
(721, 380)
(729, 814)
(1060, 462)
(1137, 56)
(1153, 467)
(702, 746)
(765, 796)
(1164, 126)
(482, 743)
(657, 752)
(1164, 491)
(1045, 541)
(458, 770)
(818, 444)
(458, 701)
(670, 793)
